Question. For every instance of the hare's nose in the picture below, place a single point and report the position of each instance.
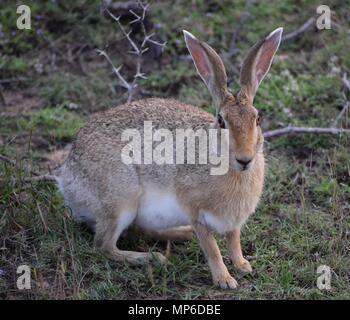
(244, 162)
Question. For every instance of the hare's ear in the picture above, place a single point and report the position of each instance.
(209, 66)
(258, 62)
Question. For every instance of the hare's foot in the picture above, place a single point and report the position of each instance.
(225, 281)
(243, 265)
(133, 257)
(180, 234)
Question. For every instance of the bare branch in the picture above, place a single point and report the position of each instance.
(126, 34)
(331, 130)
(144, 9)
(292, 129)
(162, 45)
(139, 12)
(299, 31)
(137, 17)
(346, 82)
(347, 103)
(341, 113)
(123, 82)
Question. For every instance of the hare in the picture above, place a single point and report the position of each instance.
(173, 201)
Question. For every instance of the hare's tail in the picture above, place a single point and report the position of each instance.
(71, 187)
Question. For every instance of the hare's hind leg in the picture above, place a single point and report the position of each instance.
(183, 233)
(107, 234)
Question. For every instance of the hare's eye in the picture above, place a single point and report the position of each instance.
(221, 121)
(259, 120)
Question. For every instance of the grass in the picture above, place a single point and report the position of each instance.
(287, 244)
(303, 219)
(55, 122)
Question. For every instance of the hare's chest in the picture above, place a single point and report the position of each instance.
(218, 224)
(232, 215)
(160, 210)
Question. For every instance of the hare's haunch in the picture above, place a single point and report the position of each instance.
(172, 200)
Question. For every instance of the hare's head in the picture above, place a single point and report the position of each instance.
(236, 112)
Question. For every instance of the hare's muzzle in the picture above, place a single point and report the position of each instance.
(244, 163)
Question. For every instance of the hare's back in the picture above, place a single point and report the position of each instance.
(102, 133)
(163, 113)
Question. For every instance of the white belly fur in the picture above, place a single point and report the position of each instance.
(214, 223)
(160, 210)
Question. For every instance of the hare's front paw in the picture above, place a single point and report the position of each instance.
(226, 282)
(243, 265)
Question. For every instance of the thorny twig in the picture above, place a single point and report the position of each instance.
(137, 50)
